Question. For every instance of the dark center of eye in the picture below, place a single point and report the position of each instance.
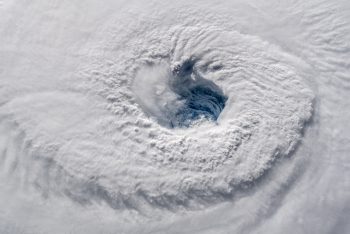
(201, 98)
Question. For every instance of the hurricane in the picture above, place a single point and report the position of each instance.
(174, 117)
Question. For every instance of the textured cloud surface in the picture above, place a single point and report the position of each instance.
(163, 117)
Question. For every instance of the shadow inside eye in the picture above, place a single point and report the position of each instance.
(184, 69)
(201, 98)
(217, 67)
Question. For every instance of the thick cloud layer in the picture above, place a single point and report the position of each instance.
(162, 117)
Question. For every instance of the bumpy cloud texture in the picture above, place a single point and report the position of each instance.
(174, 118)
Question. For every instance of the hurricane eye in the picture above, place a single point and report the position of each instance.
(202, 98)
(179, 98)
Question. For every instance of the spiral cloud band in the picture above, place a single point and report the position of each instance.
(142, 111)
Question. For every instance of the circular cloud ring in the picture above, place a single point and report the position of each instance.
(267, 108)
